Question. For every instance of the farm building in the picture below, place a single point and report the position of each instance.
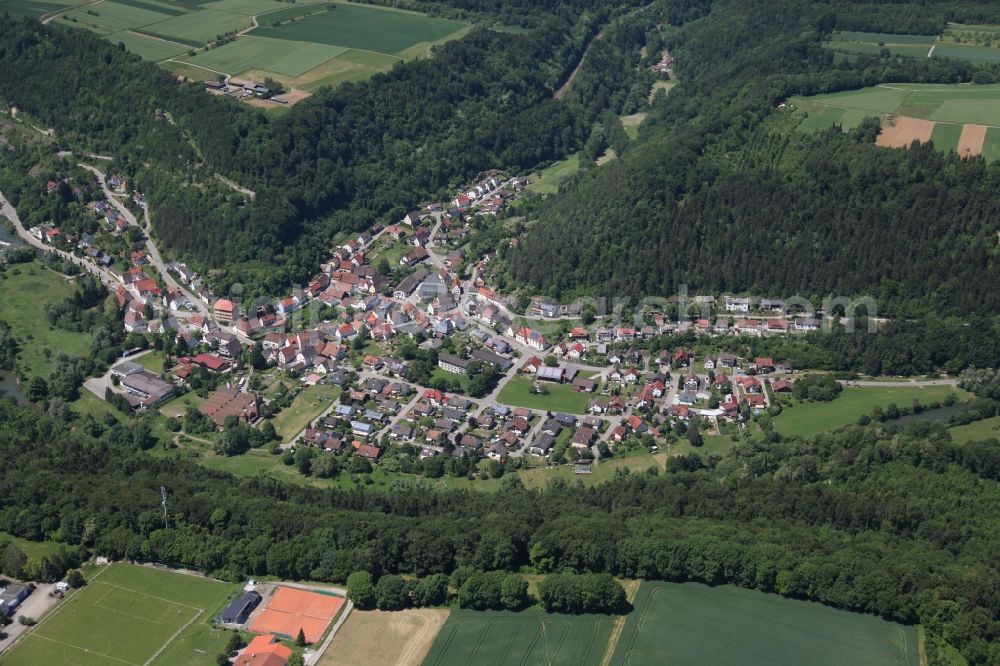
(230, 402)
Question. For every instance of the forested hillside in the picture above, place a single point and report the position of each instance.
(896, 523)
(721, 196)
(339, 160)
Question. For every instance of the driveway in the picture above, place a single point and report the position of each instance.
(35, 606)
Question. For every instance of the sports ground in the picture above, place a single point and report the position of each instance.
(290, 609)
(697, 625)
(496, 638)
(129, 615)
(964, 118)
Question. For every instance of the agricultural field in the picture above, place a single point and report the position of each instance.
(362, 27)
(400, 638)
(305, 45)
(973, 43)
(695, 625)
(497, 638)
(133, 615)
(547, 180)
(560, 397)
(812, 418)
(964, 117)
(25, 289)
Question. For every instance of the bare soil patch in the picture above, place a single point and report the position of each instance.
(971, 141)
(398, 638)
(901, 131)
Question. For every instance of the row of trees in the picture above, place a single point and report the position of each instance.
(871, 519)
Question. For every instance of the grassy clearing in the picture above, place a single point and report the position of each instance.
(402, 638)
(307, 405)
(808, 419)
(604, 470)
(88, 403)
(976, 431)
(24, 291)
(560, 397)
(127, 613)
(35, 550)
(152, 361)
(521, 638)
(368, 28)
(547, 180)
(695, 625)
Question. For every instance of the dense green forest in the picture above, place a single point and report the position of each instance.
(896, 522)
(722, 195)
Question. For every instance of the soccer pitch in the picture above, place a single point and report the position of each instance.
(126, 615)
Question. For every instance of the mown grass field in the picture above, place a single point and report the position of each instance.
(126, 614)
(956, 42)
(697, 625)
(547, 180)
(307, 405)
(560, 397)
(812, 418)
(976, 431)
(497, 638)
(25, 289)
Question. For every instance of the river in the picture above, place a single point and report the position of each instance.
(9, 386)
(8, 237)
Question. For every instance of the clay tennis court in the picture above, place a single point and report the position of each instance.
(904, 131)
(291, 609)
(971, 141)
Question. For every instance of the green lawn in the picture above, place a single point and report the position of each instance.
(441, 373)
(307, 405)
(601, 471)
(547, 180)
(560, 397)
(152, 361)
(976, 431)
(126, 614)
(531, 637)
(362, 27)
(697, 625)
(35, 550)
(24, 291)
(808, 419)
(88, 403)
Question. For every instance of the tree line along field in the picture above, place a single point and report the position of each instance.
(697, 625)
(964, 118)
(972, 43)
(305, 45)
(133, 615)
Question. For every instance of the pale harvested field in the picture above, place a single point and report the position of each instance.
(397, 638)
(904, 132)
(971, 141)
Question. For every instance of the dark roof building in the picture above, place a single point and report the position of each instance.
(239, 609)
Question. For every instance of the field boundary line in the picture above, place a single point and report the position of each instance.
(172, 638)
(83, 649)
(153, 596)
(56, 611)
